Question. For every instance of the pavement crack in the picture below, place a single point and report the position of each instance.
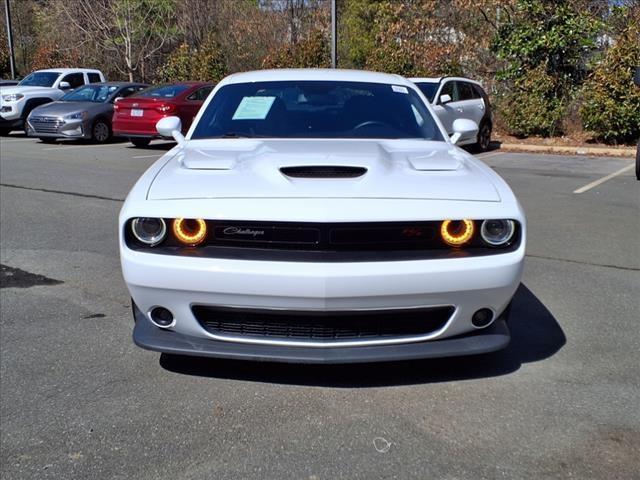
(62, 192)
(617, 267)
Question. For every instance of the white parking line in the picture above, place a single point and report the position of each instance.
(149, 156)
(78, 146)
(490, 154)
(600, 181)
(9, 140)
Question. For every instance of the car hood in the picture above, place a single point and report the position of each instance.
(59, 109)
(247, 168)
(30, 90)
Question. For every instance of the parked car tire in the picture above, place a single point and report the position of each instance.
(101, 131)
(484, 137)
(638, 162)
(47, 139)
(140, 142)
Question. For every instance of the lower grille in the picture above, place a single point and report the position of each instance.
(318, 327)
(45, 124)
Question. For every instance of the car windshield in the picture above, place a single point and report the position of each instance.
(163, 91)
(316, 109)
(91, 93)
(39, 79)
(428, 89)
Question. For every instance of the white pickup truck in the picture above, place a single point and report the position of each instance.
(38, 88)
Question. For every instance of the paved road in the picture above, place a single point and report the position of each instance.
(78, 400)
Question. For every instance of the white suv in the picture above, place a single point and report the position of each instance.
(456, 97)
(38, 88)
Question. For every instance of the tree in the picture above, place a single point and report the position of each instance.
(185, 63)
(131, 31)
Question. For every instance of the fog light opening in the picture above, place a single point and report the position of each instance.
(482, 318)
(161, 317)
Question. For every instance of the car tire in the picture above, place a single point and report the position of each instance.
(101, 131)
(484, 137)
(47, 139)
(638, 162)
(4, 132)
(140, 142)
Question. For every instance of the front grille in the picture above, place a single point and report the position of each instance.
(45, 124)
(322, 327)
(324, 171)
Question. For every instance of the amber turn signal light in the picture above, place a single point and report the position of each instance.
(190, 231)
(457, 232)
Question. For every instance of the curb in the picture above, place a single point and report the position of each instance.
(602, 151)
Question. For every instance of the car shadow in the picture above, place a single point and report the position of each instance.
(154, 146)
(535, 336)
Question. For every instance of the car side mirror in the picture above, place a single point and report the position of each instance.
(64, 86)
(463, 129)
(446, 98)
(171, 127)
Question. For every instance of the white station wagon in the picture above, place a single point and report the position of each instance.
(320, 216)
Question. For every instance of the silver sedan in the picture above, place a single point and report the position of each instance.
(84, 113)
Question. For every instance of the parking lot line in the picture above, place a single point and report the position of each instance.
(149, 156)
(9, 140)
(600, 181)
(78, 146)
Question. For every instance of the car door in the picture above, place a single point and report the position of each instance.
(192, 105)
(471, 102)
(447, 112)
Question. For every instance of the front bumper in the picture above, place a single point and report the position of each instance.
(147, 336)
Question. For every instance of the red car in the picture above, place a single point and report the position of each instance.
(135, 117)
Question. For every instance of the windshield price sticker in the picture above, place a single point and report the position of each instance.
(253, 108)
(399, 89)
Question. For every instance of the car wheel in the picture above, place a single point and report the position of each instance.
(484, 137)
(47, 139)
(4, 132)
(140, 142)
(101, 131)
(638, 162)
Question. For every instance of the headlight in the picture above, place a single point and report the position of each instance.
(456, 232)
(150, 231)
(76, 116)
(497, 232)
(12, 97)
(190, 231)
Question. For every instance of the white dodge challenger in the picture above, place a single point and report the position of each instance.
(320, 216)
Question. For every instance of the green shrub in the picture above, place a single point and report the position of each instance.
(185, 63)
(310, 52)
(533, 106)
(611, 108)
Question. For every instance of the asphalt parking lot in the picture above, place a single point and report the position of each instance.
(79, 400)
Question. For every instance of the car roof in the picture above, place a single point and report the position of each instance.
(440, 79)
(322, 74)
(68, 70)
(118, 84)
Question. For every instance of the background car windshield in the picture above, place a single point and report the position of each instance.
(317, 109)
(428, 89)
(164, 91)
(91, 93)
(39, 79)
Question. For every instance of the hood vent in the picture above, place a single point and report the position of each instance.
(323, 171)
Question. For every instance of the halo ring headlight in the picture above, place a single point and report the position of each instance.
(150, 231)
(190, 231)
(457, 232)
(497, 232)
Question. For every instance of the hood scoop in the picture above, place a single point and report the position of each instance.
(323, 171)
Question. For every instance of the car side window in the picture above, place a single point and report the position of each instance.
(94, 78)
(477, 90)
(465, 92)
(450, 89)
(125, 92)
(201, 94)
(75, 79)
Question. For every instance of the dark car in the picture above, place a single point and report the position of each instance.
(82, 113)
(136, 117)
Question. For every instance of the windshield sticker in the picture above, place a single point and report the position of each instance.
(399, 89)
(253, 108)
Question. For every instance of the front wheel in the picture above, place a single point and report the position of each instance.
(140, 142)
(484, 137)
(101, 132)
